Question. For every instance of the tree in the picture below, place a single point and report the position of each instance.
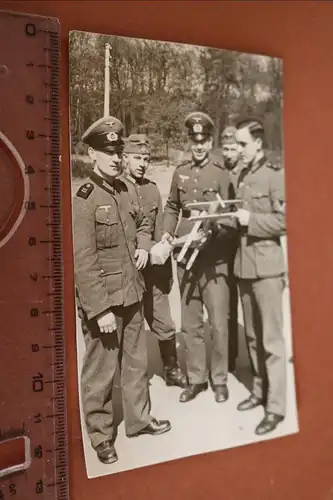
(154, 85)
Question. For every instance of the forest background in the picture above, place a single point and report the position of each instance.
(154, 85)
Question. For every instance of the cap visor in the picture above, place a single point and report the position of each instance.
(198, 137)
(110, 149)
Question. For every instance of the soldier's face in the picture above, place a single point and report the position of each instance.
(249, 146)
(137, 164)
(201, 149)
(107, 164)
(230, 153)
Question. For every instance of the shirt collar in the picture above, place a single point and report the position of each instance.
(253, 167)
(236, 169)
(112, 188)
(201, 165)
(139, 182)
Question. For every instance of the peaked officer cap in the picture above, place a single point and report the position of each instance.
(199, 125)
(105, 135)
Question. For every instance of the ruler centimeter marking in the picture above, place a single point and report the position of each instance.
(33, 402)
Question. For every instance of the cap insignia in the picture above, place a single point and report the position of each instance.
(197, 128)
(112, 136)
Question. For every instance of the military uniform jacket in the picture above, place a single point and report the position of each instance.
(260, 255)
(151, 204)
(108, 226)
(193, 183)
(234, 176)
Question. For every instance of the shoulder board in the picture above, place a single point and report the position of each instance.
(85, 190)
(274, 166)
(126, 184)
(124, 179)
(121, 183)
(148, 181)
(219, 165)
(183, 163)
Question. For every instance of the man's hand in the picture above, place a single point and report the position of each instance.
(160, 252)
(141, 257)
(167, 237)
(200, 238)
(178, 242)
(243, 216)
(107, 322)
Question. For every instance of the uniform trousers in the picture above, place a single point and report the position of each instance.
(204, 284)
(233, 317)
(157, 307)
(263, 320)
(104, 352)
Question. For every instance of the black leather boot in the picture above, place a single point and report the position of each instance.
(269, 423)
(154, 428)
(221, 393)
(249, 403)
(106, 452)
(192, 391)
(172, 372)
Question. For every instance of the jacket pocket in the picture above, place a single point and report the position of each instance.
(260, 202)
(107, 229)
(210, 190)
(113, 282)
(269, 258)
(110, 266)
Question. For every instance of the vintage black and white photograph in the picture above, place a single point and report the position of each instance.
(183, 318)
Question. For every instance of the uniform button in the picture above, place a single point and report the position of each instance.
(195, 180)
(195, 190)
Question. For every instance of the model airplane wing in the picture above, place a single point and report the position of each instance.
(199, 205)
(202, 217)
(204, 205)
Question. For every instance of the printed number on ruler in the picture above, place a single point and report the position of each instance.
(33, 399)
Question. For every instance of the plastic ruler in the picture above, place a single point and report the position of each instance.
(32, 355)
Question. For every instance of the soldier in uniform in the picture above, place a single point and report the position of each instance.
(206, 283)
(158, 278)
(111, 243)
(231, 154)
(231, 161)
(260, 267)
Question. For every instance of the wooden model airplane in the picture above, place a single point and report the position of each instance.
(208, 212)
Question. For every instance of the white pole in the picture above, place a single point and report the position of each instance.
(107, 81)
